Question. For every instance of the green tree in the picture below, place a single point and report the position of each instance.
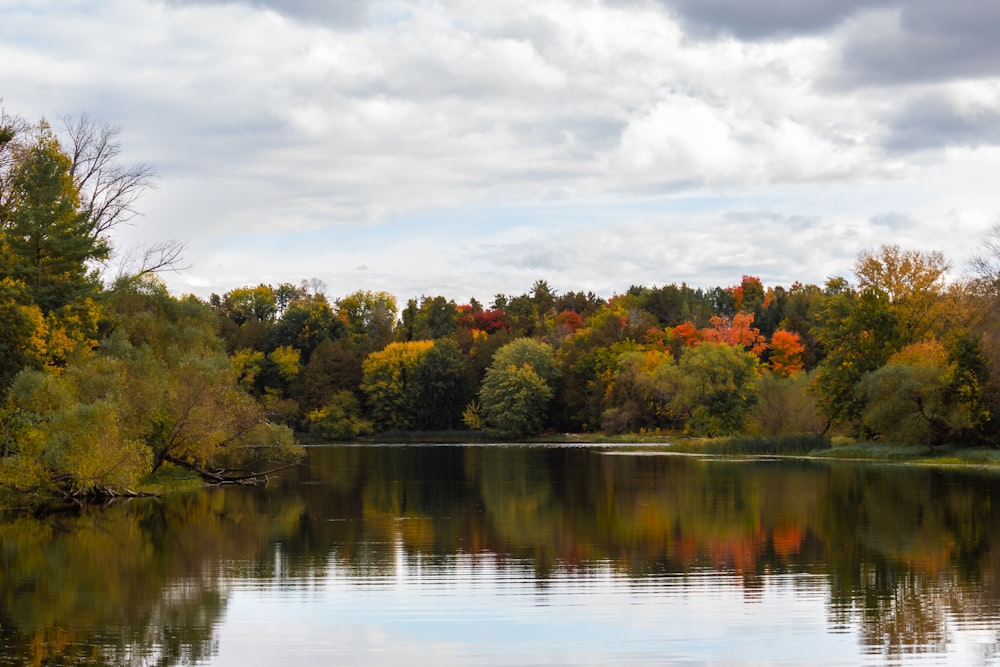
(334, 366)
(158, 389)
(197, 415)
(715, 388)
(71, 443)
(859, 332)
(441, 389)
(518, 387)
(515, 399)
(587, 360)
(434, 317)
(339, 419)
(245, 304)
(800, 312)
(48, 240)
(785, 406)
(22, 343)
(640, 392)
(913, 398)
(370, 317)
(304, 325)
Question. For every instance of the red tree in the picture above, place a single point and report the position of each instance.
(786, 353)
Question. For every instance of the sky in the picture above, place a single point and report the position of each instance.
(467, 148)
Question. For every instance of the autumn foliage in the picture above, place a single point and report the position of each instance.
(786, 353)
(489, 320)
(899, 355)
(737, 331)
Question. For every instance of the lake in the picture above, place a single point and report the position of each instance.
(519, 555)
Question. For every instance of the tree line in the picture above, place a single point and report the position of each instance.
(107, 378)
(899, 352)
(104, 379)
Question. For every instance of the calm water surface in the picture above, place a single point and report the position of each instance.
(508, 555)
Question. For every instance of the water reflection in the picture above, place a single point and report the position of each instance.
(491, 554)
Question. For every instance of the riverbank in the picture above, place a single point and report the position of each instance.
(949, 455)
(805, 445)
(811, 446)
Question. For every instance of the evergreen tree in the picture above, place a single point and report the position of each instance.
(48, 241)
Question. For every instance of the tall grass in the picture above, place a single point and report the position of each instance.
(757, 445)
(439, 437)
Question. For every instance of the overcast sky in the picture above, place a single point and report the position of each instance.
(465, 148)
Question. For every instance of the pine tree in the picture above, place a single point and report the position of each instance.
(47, 239)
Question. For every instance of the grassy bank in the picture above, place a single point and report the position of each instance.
(839, 449)
(918, 454)
(817, 446)
(811, 445)
(755, 445)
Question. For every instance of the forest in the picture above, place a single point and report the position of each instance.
(107, 379)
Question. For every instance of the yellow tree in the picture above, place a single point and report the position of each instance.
(912, 281)
(390, 383)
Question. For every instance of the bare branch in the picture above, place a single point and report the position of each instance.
(13, 129)
(148, 259)
(986, 264)
(108, 190)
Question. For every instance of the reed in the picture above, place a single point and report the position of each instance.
(757, 445)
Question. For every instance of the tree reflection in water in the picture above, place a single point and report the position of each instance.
(907, 555)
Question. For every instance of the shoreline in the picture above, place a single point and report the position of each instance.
(751, 447)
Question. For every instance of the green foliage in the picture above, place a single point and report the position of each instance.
(48, 240)
(859, 333)
(517, 388)
(434, 318)
(970, 383)
(22, 323)
(639, 396)
(340, 419)
(248, 314)
(800, 309)
(249, 304)
(673, 304)
(304, 325)
(757, 446)
(85, 442)
(536, 354)
(160, 388)
(915, 401)
(785, 406)
(279, 368)
(333, 366)
(895, 401)
(390, 384)
(63, 440)
(515, 399)
(472, 417)
(370, 317)
(587, 360)
(440, 387)
(715, 388)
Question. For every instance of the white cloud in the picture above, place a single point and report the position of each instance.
(297, 139)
